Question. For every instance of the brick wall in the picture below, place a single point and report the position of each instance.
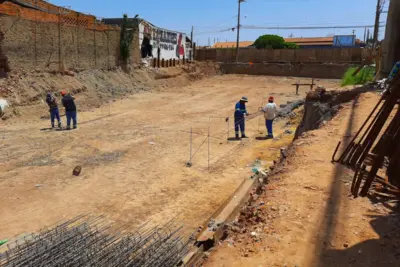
(55, 38)
(31, 44)
(52, 13)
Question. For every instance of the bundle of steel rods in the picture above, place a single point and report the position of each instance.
(374, 152)
(90, 241)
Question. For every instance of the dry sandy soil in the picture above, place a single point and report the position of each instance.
(133, 154)
(308, 217)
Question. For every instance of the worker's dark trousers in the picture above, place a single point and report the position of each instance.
(71, 115)
(239, 125)
(54, 114)
(269, 124)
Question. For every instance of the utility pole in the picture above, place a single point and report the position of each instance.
(191, 40)
(377, 18)
(238, 31)
(365, 35)
(392, 37)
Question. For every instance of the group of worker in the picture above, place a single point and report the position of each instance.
(269, 111)
(68, 101)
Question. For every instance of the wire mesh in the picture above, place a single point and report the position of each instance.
(91, 241)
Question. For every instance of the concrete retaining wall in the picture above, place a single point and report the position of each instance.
(327, 71)
(316, 55)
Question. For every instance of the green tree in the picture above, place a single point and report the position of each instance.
(269, 41)
(125, 39)
(290, 45)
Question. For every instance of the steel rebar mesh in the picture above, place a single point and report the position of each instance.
(90, 241)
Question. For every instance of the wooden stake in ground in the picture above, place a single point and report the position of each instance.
(227, 138)
(259, 118)
(189, 163)
(208, 137)
(191, 139)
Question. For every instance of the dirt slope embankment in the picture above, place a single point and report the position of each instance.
(95, 87)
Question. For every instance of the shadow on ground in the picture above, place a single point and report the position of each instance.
(384, 251)
(381, 252)
(332, 211)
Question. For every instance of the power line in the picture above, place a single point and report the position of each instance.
(204, 28)
(306, 27)
(219, 31)
(214, 25)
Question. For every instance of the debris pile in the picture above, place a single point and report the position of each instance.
(287, 110)
(253, 223)
(322, 105)
(90, 241)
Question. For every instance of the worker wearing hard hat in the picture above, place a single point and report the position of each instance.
(270, 114)
(240, 114)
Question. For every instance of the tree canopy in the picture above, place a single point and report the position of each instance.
(290, 45)
(271, 41)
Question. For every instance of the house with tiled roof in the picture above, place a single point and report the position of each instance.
(306, 42)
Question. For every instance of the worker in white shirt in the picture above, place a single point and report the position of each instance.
(270, 114)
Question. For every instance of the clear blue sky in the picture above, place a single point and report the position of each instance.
(210, 16)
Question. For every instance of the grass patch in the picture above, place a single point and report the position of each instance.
(365, 75)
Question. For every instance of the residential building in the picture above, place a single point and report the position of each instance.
(151, 41)
(306, 42)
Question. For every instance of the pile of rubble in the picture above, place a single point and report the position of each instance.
(253, 224)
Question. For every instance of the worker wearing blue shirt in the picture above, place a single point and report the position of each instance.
(240, 113)
(394, 71)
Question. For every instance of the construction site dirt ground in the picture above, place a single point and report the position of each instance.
(133, 154)
(310, 219)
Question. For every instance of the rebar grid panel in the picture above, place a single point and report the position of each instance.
(91, 241)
